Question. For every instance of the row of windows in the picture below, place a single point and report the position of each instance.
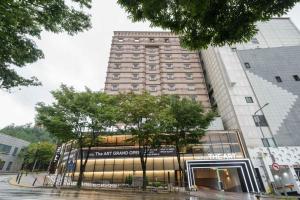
(5, 149)
(2, 163)
(153, 88)
(153, 77)
(277, 78)
(152, 57)
(138, 48)
(151, 40)
(151, 67)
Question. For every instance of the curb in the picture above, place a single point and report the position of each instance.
(13, 182)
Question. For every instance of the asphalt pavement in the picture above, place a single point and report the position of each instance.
(11, 192)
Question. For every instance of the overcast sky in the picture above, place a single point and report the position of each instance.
(77, 61)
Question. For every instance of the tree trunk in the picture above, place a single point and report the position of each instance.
(80, 177)
(143, 158)
(144, 177)
(83, 165)
(179, 164)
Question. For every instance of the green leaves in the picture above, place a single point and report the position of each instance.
(200, 23)
(29, 133)
(41, 152)
(21, 21)
(74, 114)
(189, 121)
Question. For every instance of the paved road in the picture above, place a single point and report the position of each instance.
(9, 192)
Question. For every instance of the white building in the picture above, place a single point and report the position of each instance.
(10, 147)
(260, 80)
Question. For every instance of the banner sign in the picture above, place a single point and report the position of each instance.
(130, 152)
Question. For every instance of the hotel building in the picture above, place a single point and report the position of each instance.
(155, 62)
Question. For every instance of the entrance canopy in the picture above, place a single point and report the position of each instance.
(243, 166)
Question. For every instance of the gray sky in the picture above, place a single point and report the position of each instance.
(77, 61)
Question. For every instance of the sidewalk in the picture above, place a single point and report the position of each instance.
(29, 179)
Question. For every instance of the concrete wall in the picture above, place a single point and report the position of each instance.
(10, 156)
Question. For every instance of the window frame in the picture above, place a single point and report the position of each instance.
(249, 99)
(278, 79)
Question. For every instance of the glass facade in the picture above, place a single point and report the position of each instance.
(114, 160)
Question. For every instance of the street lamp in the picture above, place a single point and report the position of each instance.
(264, 140)
(256, 119)
(261, 108)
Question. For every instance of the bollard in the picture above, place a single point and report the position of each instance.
(20, 178)
(34, 181)
(17, 177)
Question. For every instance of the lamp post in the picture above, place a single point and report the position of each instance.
(257, 119)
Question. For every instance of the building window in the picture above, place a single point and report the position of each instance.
(169, 66)
(120, 39)
(152, 67)
(118, 56)
(254, 41)
(296, 77)
(152, 77)
(15, 151)
(171, 87)
(268, 142)
(151, 40)
(136, 47)
(117, 66)
(260, 120)
(249, 99)
(152, 88)
(135, 76)
(119, 47)
(193, 97)
(278, 79)
(185, 56)
(187, 66)
(5, 149)
(167, 40)
(247, 65)
(135, 66)
(116, 76)
(151, 57)
(2, 163)
(135, 87)
(136, 40)
(136, 56)
(170, 76)
(191, 87)
(189, 76)
(9, 166)
(168, 56)
(115, 87)
(167, 48)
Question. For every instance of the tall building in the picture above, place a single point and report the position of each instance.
(255, 87)
(154, 62)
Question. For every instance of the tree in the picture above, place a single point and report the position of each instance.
(29, 133)
(140, 113)
(37, 155)
(78, 116)
(200, 23)
(185, 125)
(23, 21)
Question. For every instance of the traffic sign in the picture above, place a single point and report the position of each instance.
(276, 167)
